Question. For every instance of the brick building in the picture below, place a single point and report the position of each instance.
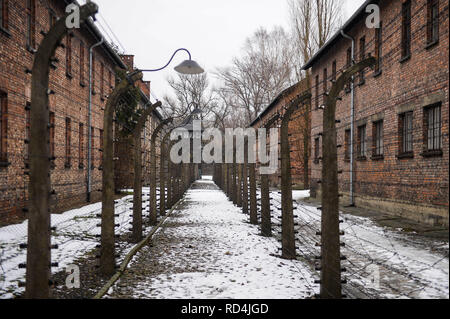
(400, 134)
(22, 25)
(299, 129)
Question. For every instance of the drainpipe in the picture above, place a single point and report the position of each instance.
(89, 177)
(352, 120)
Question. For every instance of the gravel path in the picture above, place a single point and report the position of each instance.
(208, 250)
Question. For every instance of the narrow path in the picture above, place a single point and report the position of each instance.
(208, 250)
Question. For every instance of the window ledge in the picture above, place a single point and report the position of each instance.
(5, 31)
(434, 153)
(405, 155)
(431, 44)
(361, 158)
(405, 58)
(377, 157)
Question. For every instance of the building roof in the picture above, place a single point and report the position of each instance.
(338, 36)
(113, 54)
(276, 101)
(90, 26)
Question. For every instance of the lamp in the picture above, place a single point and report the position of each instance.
(190, 66)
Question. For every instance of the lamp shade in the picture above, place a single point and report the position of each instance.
(189, 67)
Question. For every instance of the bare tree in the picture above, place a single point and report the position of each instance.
(261, 73)
(190, 92)
(328, 14)
(312, 24)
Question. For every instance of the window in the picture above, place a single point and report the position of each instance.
(81, 146)
(334, 71)
(110, 80)
(3, 127)
(52, 138)
(69, 55)
(101, 147)
(378, 143)
(433, 128)
(316, 150)
(362, 56)
(362, 146)
(348, 142)
(52, 17)
(325, 80)
(432, 21)
(82, 59)
(4, 14)
(102, 81)
(349, 64)
(378, 48)
(68, 142)
(317, 91)
(27, 130)
(406, 133)
(31, 24)
(406, 29)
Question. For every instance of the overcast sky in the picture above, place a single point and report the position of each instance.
(212, 30)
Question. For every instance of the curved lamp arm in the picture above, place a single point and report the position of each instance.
(186, 67)
(173, 55)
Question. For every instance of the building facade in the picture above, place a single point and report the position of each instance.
(400, 136)
(23, 24)
(299, 131)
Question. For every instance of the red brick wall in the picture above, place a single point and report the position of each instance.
(69, 101)
(408, 85)
(296, 132)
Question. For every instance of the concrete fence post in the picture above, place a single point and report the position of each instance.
(107, 249)
(235, 178)
(164, 175)
(253, 201)
(331, 286)
(245, 198)
(266, 219)
(239, 184)
(287, 227)
(137, 191)
(153, 220)
(38, 266)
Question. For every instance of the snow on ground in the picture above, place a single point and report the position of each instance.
(298, 195)
(226, 257)
(407, 265)
(75, 235)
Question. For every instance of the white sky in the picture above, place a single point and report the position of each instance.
(212, 30)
